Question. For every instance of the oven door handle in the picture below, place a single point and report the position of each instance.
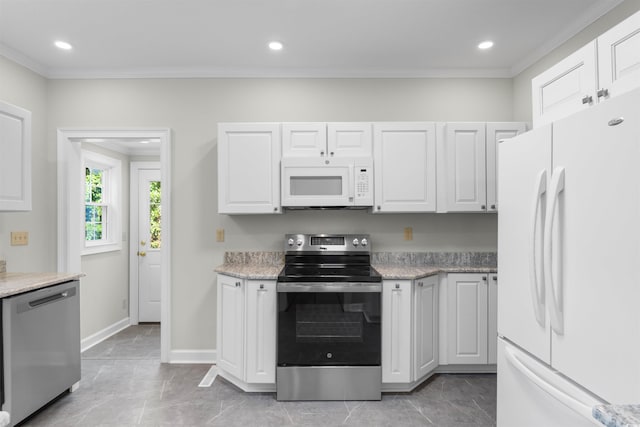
(326, 287)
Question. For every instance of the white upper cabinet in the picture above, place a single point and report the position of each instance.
(404, 156)
(326, 140)
(468, 164)
(497, 132)
(608, 66)
(567, 87)
(619, 57)
(249, 168)
(463, 156)
(15, 158)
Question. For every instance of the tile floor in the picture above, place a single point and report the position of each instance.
(123, 384)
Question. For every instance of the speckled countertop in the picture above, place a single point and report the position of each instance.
(17, 283)
(391, 265)
(618, 415)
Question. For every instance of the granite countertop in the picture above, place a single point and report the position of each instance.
(391, 265)
(17, 283)
(617, 415)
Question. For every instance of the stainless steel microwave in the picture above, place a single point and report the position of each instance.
(309, 182)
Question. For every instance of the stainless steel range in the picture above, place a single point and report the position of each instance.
(329, 307)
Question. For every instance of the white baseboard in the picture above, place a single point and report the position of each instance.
(193, 356)
(102, 335)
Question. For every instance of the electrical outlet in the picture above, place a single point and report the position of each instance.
(220, 235)
(19, 238)
(408, 233)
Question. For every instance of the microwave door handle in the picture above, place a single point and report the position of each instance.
(351, 184)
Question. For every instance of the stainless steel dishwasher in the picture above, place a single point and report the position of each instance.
(40, 347)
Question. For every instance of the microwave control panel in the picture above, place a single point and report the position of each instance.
(364, 187)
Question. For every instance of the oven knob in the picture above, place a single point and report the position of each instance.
(329, 355)
(290, 242)
(299, 242)
(355, 242)
(364, 242)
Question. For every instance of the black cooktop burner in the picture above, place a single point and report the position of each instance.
(315, 268)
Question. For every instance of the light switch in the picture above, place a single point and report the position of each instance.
(220, 235)
(19, 238)
(408, 233)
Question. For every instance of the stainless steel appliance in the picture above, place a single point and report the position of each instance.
(329, 311)
(311, 182)
(40, 347)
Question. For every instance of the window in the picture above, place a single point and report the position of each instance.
(102, 194)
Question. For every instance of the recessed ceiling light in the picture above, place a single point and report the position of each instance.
(275, 45)
(485, 45)
(62, 45)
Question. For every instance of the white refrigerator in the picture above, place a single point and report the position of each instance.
(569, 262)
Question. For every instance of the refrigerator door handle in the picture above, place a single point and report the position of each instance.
(555, 293)
(537, 290)
(572, 403)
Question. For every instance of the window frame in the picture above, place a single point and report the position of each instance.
(112, 200)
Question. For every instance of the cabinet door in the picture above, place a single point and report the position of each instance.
(497, 132)
(304, 139)
(426, 326)
(231, 325)
(405, 167)
(492, 325)
(349, 139)
(396, 331)
(467, 323)
(567, 87)
(597, 245)
(261, 331)
(464, 161)
(523, 176)
(15, 158)
(248, 168)
(619, 57)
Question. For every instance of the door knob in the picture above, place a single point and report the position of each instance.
(142, 253)
(143, 242)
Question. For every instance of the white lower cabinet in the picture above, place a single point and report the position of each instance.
(247, 331)
(472, 318)
(425, 322)
(396, 331)
(409, 329)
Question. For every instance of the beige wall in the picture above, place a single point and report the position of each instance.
(104, 293)
(193, 107)
(522, 82)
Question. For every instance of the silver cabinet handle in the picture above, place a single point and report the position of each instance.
(397, 285)
(602, 93)
(331, 153)
(587, 99)
(237, 284)
(261, 286)
(322, 153)
(493, 207)
(421, 284)
(483, 207)
(495, 278)
(378, 207)
(484, 278)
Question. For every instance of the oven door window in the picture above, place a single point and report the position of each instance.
(329, 329)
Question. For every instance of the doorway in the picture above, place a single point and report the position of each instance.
(71, 235)
(145, 248)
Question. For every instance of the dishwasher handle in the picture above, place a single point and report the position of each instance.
(40, 300)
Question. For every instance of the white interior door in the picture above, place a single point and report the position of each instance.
(149, 245)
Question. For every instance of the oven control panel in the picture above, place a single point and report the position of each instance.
(327, 243)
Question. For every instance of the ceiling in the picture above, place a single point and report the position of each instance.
(322, 38)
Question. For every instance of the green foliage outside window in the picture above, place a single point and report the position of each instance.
(155, 214)
(94, 210)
